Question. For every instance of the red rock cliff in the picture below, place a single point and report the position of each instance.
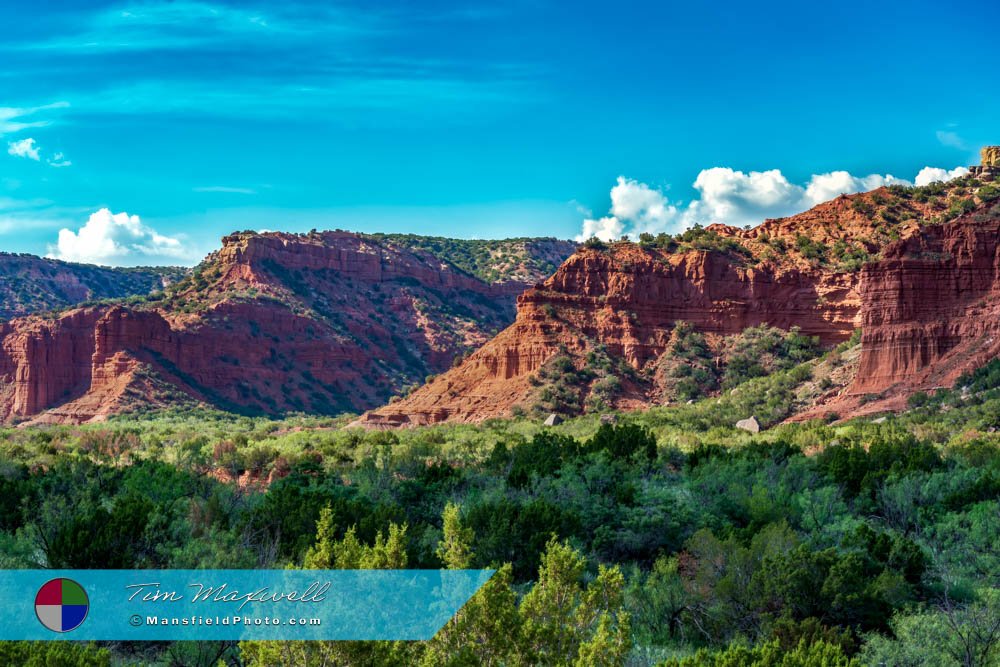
(321, 323)
(928, 307)
(628, 300)
(931, 308)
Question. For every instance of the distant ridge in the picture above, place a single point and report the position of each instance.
(30, 284)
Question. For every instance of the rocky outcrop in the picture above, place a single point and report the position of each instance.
(270, 323)
(928, 306)
(628, 300)
(989, 168)
(989, 156)
(931, 308)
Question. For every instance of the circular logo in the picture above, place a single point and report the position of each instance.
(61, 605)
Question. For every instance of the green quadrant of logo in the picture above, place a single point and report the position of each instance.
(72, 593)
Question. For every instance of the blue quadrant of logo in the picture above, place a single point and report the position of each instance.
(73, 615)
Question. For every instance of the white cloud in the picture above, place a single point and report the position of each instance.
(26, 148)
(632, 200)
(11, 117)
(29, 149)
(117, 239)
(930, 175)
(59, 160)
(824, 187)
(607, 229)
(952, 140)
(734, 198)
(643, 208)
(737, 198)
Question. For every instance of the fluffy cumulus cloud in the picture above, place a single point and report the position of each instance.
(635, 204)
(117, 239)
(734, 198)
(930, 175)
(26, 148)
(631, 200)
(824, 187)
(607, 229)
(738, 198)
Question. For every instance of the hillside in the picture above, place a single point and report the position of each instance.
(622, 325)
(30, 284)
(270, 323)
(508, 260)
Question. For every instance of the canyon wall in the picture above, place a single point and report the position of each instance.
(928, 306)
(270, 323)
(628, 299)
(931, 308)
(332, 322)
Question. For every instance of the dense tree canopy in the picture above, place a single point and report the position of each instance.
(668, 537)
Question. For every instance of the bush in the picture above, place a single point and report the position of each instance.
(810, 249)
(917, 399)
(541, 456)
(859, 470)
(53, 654)
(622, 441)
(763, 350)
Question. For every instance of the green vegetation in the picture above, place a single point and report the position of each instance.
(667, 538)
(762, 350)
(691, 369)
(688, 368)
(695, 238)
(850, 255)
(53, 654)
(811, 249)
(30, 284)
(952, 199)
(568, 386)
(489, 260)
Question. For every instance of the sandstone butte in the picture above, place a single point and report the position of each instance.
(323, 323)
(927, 302)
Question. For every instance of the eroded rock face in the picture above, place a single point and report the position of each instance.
(929, 310)
(990, 156)
(628, 300)
(322, 323)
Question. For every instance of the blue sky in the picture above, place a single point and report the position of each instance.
(147, 130)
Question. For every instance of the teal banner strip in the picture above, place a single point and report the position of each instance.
(167, 605)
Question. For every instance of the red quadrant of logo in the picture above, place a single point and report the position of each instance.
(50, 593)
